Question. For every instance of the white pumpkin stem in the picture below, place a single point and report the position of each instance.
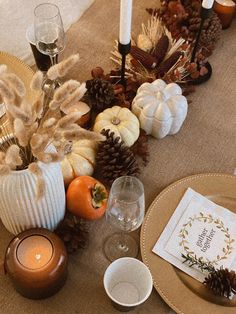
(115, 121)
(68, 148)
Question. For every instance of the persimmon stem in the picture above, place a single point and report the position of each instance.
(98, 195)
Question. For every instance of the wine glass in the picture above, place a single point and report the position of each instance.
(125, 211)
(49, 31)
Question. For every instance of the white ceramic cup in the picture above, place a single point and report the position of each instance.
(128, 283)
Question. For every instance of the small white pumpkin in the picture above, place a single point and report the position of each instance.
(121, 121)
(79, 160)
(161, 108)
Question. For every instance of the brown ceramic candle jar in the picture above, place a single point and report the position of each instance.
(36, 261)
(225, 10)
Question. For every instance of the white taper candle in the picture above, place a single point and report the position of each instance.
(125, 21)
(207, 4)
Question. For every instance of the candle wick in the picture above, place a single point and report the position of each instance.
(38, 257)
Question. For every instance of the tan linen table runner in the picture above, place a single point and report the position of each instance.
(206, 143)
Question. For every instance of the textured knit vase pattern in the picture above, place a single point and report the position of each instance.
(19, 207)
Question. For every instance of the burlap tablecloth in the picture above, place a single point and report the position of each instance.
(206, 143)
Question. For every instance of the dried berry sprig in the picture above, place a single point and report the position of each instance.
(222, 282)
(199, 262)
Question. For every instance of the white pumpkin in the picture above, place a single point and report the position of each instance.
(121, 121)
(161, 108)
(79, 160)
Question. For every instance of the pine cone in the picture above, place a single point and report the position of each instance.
(161, 49)
(211, 31)
(114, 159)
(222, 282)
(101, 94)
(168, 63)
(73, 232)
(194, 24)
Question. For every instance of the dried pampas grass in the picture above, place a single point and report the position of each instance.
(16, 83)
(2, 157)
(49, 123)
(38, 106)
(3, 69)
(18, 113)
(37, 126)
(73, 98)
(35, 169)
(4, 170)
(66, 89)
(13, 158)
(67, 120)
(83, 134)
(37, 81)
(5, 91)
(61, 69)
(20, 132)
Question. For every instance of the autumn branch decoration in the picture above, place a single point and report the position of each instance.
(39, 131)
(156, 54)
(182, 18)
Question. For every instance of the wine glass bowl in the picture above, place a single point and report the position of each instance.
(49, 31)
(125, 212)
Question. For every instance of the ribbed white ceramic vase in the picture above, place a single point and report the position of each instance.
(19, 208)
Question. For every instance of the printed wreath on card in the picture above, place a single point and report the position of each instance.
(227, 250)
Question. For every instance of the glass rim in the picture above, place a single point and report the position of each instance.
(28, 33)
(140, 184)
(49, 4)
(130, 177)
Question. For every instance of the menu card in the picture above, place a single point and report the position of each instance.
(200, 228)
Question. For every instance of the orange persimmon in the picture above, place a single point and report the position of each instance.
(86, 197)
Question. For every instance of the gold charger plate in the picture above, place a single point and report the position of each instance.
(23, 71)
(182, 293)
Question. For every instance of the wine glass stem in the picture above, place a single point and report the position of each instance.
(53, 59)
(122, 243)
